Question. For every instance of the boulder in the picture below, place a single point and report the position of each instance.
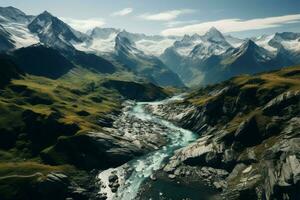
(153, 177)
(172, 176)
(113, 178)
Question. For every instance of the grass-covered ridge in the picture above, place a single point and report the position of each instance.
(285, 79)
(243, 97)
(63, 97)
(36, 112)
(249, 127)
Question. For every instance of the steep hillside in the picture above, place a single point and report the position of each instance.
(42, 61)
(249, 136)
(136, 91)
(53, 128)
(8, 70)
(91, 61)
(54, 32)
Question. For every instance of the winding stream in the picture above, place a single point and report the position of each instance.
(143, 167)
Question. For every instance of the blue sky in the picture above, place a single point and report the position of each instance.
(173, 17)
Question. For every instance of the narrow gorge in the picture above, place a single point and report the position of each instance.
(231, 146)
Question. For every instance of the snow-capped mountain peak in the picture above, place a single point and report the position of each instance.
(54, 32)
(249, 44)
(278, 41)
(12, 14)
(190, 39)
(287, 40)
(43, 21)
(124, 45)
(46, 13)
(264, 41)
(213, 34)
(213, 48)
(122, 39)
(199, 47)
(14, 22)
(251, 50)
(184, 46)
(103, 33)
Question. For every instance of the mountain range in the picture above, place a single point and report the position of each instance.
(190, 60)
(109, 113)
(214, 57)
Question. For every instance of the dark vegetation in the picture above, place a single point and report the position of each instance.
(42, 61)
(135, 91)
(46, 120)
(8, 70)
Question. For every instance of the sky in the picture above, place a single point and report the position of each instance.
(242, 18)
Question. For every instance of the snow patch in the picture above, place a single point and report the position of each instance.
(154, 47)
(20, 34)
(293, 45)
(263, 41)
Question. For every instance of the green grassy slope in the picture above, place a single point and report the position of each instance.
(35, 112)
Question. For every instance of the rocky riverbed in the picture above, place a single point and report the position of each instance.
(222, 163)
(253, 154)
(130, 180)
(142, 133)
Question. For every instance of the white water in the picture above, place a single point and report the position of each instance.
(145, 166)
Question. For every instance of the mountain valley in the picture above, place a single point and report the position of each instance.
(114, 115)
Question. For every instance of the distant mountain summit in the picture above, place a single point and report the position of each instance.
(54, 32)
(213, 57)
(249, 50)
(191, 59)
(214, 35)
(248, 58)
(103, 33)
(11, 14)
(144, 65)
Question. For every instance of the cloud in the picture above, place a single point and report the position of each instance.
(166, 15)
(178, 23)
(84, 25)
(123, 12)
(234, 25)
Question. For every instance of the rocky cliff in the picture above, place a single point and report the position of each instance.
(249, 140)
